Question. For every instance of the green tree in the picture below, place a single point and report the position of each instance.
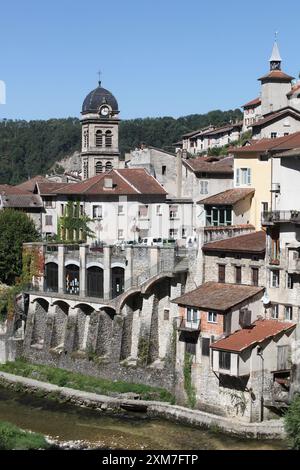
(292, 422)
(16, 228)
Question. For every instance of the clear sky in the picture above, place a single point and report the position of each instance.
(158, 57)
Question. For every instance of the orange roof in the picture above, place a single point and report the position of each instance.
(275, 116)
(253, 103)
(210, 165)
(276, 75)
(217, 296)
(295, 88)
(259, 331)
(265, 145)
(29, 185)
(124, 181)
(230, 196)
(254, 242)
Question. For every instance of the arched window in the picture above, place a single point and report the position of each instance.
(99, 138)
(85, 170)
(108, 139)
(98, 168)
(86, 138)
(108, 166)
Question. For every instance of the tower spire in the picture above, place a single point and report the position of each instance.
(275, 59)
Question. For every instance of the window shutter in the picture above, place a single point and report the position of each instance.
(248, 175)
(237, 177)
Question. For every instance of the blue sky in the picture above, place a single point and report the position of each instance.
(158, 57)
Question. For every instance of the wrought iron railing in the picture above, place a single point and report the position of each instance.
(280, 216)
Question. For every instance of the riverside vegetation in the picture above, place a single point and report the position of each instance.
(64, 378)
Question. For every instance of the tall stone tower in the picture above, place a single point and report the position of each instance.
(100, 133)
(274, 85)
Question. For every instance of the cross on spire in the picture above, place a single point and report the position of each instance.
(99, 76)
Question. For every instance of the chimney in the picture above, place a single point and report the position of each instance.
(108, 183)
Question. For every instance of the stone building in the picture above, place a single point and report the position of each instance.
(100, 133)
(105, 312)
(236, 260)
(20, 199)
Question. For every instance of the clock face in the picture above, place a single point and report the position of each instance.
(104, 111)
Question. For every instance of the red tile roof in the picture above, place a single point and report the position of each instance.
(29, 185)
(295, 88)
(18, 198)
(267, 145)
(276, 75)
(48, 188)
(250, 243)
(230, 196)
(218, 296)
(253, 103)
(289, 111)
(209, 165)
(259, 331)
(124, 181)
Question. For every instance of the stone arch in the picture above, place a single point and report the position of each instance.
(51, 277)
(130, 332)
(117, 281)
(39, 322)
(72, 278)
(94, 281)
(59, 324)
(152, 282)
(83, 316)
(105, 329)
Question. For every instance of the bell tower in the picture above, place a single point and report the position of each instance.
(100, 133)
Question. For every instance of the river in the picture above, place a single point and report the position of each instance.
(127, 431)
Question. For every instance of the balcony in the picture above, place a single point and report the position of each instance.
(189, 326)
(275, 217)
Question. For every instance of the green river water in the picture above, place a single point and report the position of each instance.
(127, 431)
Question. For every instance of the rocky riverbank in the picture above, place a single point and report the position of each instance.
(273, 429)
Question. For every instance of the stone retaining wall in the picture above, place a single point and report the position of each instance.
(272, 429)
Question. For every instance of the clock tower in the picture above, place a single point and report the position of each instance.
(100, 133)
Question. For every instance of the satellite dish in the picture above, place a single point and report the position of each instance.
(266, 298)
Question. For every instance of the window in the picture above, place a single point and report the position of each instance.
(224, 360)
(288, 312)
(290, 281)
(205, 342)
(254, 276)
(108, 139)
(164, 170)
(273, 135)
(158, 210)
(99, 138)
(173, 232)
(143, 211)
(243, 177)
(108, 166)
(218, 216)
(62, 209)
(238, 274)
(120, 210)
(98, 168)
(97, 212)
(275, 311)
(85, 170)
(166, 314)
(274, 281)
(212, 317)
(221, 272)
(48, 203)
(203, 187)
(173, 212)
(120, 234)
(192, 318)
(183, 232)
(48, 220)
(190, 348)
(264, 206)
(86, 138)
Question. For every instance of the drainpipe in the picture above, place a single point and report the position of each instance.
(260, 354)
